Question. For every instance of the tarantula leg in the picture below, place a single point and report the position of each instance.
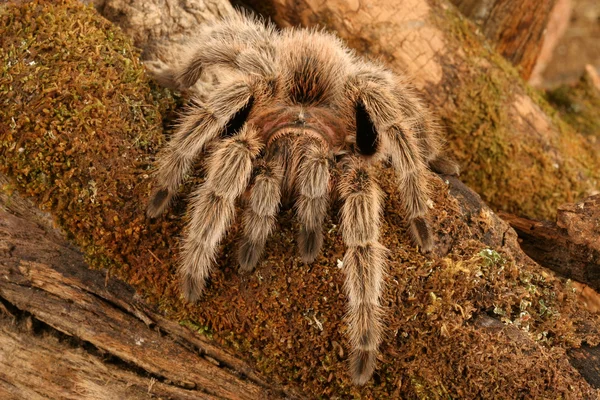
(195, 129)
(364, 266)
(199, 125)
(212, 208)
(415, 116)
(312, 185)
(377, 120)
(412, 181)
(240, 42)
(259, 216)
(426, 130)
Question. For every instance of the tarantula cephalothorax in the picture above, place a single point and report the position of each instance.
(286, 109)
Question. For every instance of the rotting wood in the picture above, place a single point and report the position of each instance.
(48, 278)
(569, 246)
(42, 366)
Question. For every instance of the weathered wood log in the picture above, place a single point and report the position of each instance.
(45, 277)
(88, 165)
(558, 23)
(569, 246)
(516, 28)
(512, 152)
(42, 366)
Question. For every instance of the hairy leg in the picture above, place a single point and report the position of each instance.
(414, 116)
(364, 265)
(413, 183)
(260, 213)
(312, 186)
(212, 208)
(240, 42)
(199, 125)
(395, 136)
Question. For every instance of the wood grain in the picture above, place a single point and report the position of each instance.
(515, 27)
(44, 276)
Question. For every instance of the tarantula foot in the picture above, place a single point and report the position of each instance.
(362, 365)
(192, 287)
(421, 233)
(158, 202)
(248, 256)
(444, 165)
(309, 243)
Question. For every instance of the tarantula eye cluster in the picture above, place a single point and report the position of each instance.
(286, 110)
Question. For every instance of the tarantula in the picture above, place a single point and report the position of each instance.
(287, 109)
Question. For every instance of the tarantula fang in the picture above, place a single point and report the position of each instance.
(285, 109)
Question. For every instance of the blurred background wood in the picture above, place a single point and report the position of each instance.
(515, 27)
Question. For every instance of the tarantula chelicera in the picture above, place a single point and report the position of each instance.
(287, 109)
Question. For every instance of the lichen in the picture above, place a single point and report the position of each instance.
(80, 124)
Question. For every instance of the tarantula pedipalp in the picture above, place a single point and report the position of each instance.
(286, 108)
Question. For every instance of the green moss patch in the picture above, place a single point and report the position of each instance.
(80, 125)
(525, 174)
(578, 105)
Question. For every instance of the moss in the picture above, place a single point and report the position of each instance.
(79, 128)
(578, 105)
(68, 86)
(523, 174)
(203, 330)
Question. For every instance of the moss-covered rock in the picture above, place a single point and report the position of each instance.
(525, 167)
(79, 127)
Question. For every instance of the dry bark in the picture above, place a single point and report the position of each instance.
(41, 366)
(45, 277)
(515, 27)
(569, 246)
(159, 21)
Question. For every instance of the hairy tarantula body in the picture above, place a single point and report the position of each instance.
(286, 110)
